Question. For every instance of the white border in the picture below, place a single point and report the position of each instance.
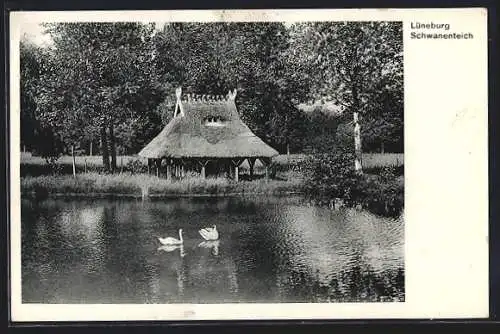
(446, 176)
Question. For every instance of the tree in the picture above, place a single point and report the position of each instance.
(103, 76)
(253, 57)
(384, 125)
(33, 64)
(353, 61)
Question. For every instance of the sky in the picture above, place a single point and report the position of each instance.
(34, 32)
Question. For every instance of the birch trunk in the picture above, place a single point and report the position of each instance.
(104, 149)
(112, 147)
(357, 144)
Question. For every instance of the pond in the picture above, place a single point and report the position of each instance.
(270, 250)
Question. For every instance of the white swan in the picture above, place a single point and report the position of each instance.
(172, 241)
(209, 233)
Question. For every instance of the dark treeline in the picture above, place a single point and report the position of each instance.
(108, 88)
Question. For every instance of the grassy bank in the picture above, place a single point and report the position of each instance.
(323, 179)
(139, 184)
(36, 166)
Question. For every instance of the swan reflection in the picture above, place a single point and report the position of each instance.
(171, 248)
(213, 245)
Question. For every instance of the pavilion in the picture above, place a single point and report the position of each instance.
(206, 135)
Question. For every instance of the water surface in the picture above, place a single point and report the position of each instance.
(270, 250)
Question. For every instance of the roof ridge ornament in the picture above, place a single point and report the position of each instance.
(231, 95)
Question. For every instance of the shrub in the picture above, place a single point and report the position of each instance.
(135, 166)
(332, 176)
(381, 194)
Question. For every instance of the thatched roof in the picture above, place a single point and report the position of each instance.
(204, 127)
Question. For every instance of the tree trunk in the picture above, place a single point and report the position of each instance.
(91, 148)
(357, 144)
(287, 149)
(104, 149)
(357, 131)
(112, 147)
(382, 149)
(73, 159)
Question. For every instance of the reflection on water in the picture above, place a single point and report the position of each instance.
(270, 250)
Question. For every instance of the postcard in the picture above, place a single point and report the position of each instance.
(248, 164)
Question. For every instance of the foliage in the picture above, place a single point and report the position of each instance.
(34, 63)
(332, 176)
(48, 146)
(102, 76)
(136, 166)
(253, 57)
(382, 195)
(358, 66)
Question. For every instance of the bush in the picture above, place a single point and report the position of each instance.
(382, 195)
(332, 176)
(135, 166)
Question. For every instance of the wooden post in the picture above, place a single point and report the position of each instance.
(229, 170)
(85, 165)
(90, 148)
(251, 163)
(266, 163)
(203, 172)
(121, 164)
(157, 168)
(236, 164)
(169, 172)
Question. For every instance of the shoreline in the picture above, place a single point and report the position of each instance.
(156, 196)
